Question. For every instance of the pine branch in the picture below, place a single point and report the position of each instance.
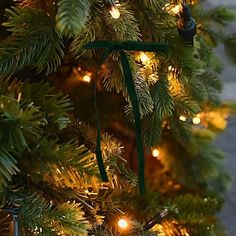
(211, 81)
(8, 168)
(52, 103)
(32, 31)
(145, 99)
(64, 157)
(152, 130)
(220, 15)
(72, 16)
(86, 35)
(197, 90)
(163, 100)
(126, 27)
(230, 47)
(180, 130)
(185, 105)
(46, 219)
(212, 37)
(114, 81)
(113, 75)
(18, 122)
(194, 209)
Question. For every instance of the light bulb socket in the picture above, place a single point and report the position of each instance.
(186, 25)
(155, 220)
(111, 3)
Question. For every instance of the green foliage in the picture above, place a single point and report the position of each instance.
(186, 106)
(145, 100)
(53, 103)
(230, 44)
(34, 32)
(180, 130)
(163, 100)
(220, 15)
(211, 81)
(72, 16)
(86, 35)
(45, 218)
(193, 209)
(152, 130)
(48, 168)
(125, 27)
(19, 120)
(8, 167)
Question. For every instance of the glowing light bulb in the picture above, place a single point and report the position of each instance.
(175, 9)
(155, 152)
(115, 13)
(183, 118)
(143, 57)
(87, 78)
(172, 9)
(169, 68)
(122, 223)
(196, 120)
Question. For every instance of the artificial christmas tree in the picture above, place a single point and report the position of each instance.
(59, 173)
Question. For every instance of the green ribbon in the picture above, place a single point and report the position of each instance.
(110, 46)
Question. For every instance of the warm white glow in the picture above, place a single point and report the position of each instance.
(122, 223)
(172, 9)
(183, 118)
(87, 78)
(143, 57)
(196, 120)
(155, 152)
(19, 97)
(169, 68)
(115, 13)
(175, 10)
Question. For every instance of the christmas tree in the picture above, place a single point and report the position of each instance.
(109, 111)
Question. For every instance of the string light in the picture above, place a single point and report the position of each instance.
(114, 11)
(156, 220)
(155, 152)
(182, 118)
(123, 224)
(86, 191)
(172, 9)
(87, 77)
(143, 57)
(169, 68)
(196, 120)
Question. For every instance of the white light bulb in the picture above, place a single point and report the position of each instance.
(183, 118)
(115, 13)
(143, 57)
(175, 9)
(87, 78)
(196, 120)
(122, 223)
(155, 152)
(172, 9)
